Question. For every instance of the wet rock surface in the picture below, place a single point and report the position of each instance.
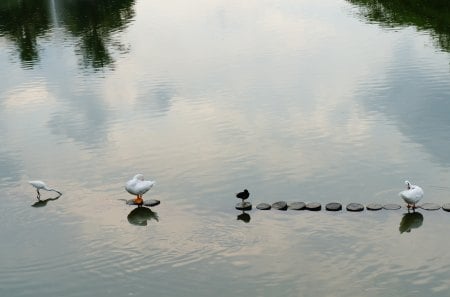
(280, 205)
(244, 206)
(374, 206)
(263, 206)
(430, 206)
(355, 207)
(333, 206)
(391, 206)
(313, 206)
(297, 205)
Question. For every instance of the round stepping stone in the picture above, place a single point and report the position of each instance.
(280, 205)
(391, 206)
(446, 207)
(355, 207)
(374, 206)
(313, 206)
(244, 206)
(430, 206)
(263, 206)
(151, 202)
(297, 205)
(333, 206)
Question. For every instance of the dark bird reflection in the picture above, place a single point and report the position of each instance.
(245, 217)
(410, 220)
(42, 203)
(141, 215)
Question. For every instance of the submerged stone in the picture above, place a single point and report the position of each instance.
(263, 206)
(446, 207)
(313, 206)
(244, 206)
(374, 206)
(430, 206)
(297, 205)
(280, 205)
(333, 206)
(391, 206)
(355, 207)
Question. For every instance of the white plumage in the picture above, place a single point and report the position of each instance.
(138, 186)
(40, 185)
(412, 194)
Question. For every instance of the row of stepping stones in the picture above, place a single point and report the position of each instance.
(334, 206)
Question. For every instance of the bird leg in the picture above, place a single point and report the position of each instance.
(38, 194)
(138, 200)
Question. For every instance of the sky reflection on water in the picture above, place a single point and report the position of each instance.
(294, 100)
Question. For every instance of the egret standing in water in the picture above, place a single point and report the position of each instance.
(40, 185)
(411, 195)
(138, 186)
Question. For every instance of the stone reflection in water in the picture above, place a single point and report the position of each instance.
(141, 215)
(245, 217)
(92, 22)
(42, 203)
(411, 220)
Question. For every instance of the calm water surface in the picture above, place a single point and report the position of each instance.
(295, 100)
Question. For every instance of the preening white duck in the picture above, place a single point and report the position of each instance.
(411, 195)
(40, 185)
(138, 186)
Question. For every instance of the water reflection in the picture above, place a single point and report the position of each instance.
(23, 22)
(245, 217)
(42, 203)
(424, 14)
(141, 215)
(410, 220)
(92, 22)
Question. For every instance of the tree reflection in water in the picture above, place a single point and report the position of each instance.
(430, 15)
(93, 23)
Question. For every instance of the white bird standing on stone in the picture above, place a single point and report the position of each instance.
(138, 186)
(40, 185)
(411, 195)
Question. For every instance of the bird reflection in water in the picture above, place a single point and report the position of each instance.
(245, 217)
(42, 203)
(410, 220)
(141, 215)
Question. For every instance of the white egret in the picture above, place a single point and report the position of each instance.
(411, 195)
(40, 185)
(138, 186)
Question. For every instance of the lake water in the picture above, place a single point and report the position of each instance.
(314, 101)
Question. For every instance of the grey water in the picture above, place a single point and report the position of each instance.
(313, 101)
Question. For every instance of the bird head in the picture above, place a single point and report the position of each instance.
(408, 184)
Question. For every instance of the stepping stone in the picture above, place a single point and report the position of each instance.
(374, 206)
(151, 202)
(333, 206)
(430, 206)
(391, 206)
(313, 206)
(446, 207)
(280, 205)
(355, 207)
(297, 205)
(244, 206)
(263, 206)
